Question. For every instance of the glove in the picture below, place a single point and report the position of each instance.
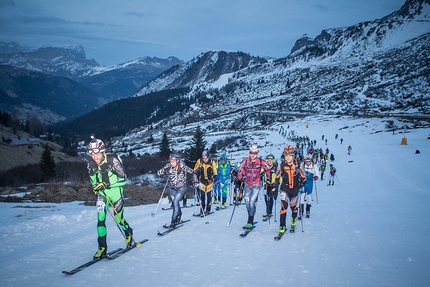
(210, 182)
(315, 178)
(100, 186)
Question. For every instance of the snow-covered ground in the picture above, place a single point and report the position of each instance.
(370, 229)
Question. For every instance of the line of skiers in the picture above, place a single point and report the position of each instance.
(291, 178)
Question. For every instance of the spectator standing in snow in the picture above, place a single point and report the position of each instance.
(312, 175)
(177, 172)
(291, 178)
(332, 174)
(349, 150)
(249, 172)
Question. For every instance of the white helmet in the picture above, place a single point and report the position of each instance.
(254, 148)
(308, 157)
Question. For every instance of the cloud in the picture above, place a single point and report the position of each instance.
(137, 14)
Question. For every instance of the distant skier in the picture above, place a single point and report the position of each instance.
(224, 178)
(271, 187)
(349, 150)
(322, 169)
(177, 172)
(238, 185)
(312, 175)
(249, 172)
(332, 174)
(290, 177)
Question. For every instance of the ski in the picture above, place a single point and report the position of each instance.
(265, 218)
(89, 263)
(247, 231)
(168, 230)
(182, 221)
(202, 215)
(170, 208)
(279, 236)
(125, 250)
(218, 208)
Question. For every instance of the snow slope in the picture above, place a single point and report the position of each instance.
(370, 229)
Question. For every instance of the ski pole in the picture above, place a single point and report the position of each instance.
(337, 178)
(117, 225)
(201, 207)
(316, 192)
(122, 222)
(275, 211)
(231, 217)
(159, 201)
(301, 211)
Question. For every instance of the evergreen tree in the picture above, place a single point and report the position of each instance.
(164, 146)
(213, 151)
(47, 165)
(197, 146)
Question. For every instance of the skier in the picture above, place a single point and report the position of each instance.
(224, 178)
(349, 150)
(292, 178)
(271, 186)
(249, 172)
(322, 169)
(312, 175)
(107, 177)
(177, 172)
(238, 185)
(206, 171)
(332, 174)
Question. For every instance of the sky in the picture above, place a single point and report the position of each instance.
(116, 31)
(371, 228)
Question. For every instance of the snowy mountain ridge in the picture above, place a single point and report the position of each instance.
(376, 68)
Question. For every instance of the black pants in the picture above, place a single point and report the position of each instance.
(206, 200)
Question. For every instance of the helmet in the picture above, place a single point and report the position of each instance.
(205, 153)
(289, 149)
(96, 146)
(175, 156)
(308, 157)
(254, 148)
(223, 157)
(270, 156)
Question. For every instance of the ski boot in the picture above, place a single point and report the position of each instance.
(101, 253)
(129, 238)
(293, 224)
(308, 210)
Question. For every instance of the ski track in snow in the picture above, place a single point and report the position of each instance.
(370, 229)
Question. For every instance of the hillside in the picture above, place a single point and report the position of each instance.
(14, 157)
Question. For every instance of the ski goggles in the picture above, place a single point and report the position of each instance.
(253, 152)
(93, 151)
